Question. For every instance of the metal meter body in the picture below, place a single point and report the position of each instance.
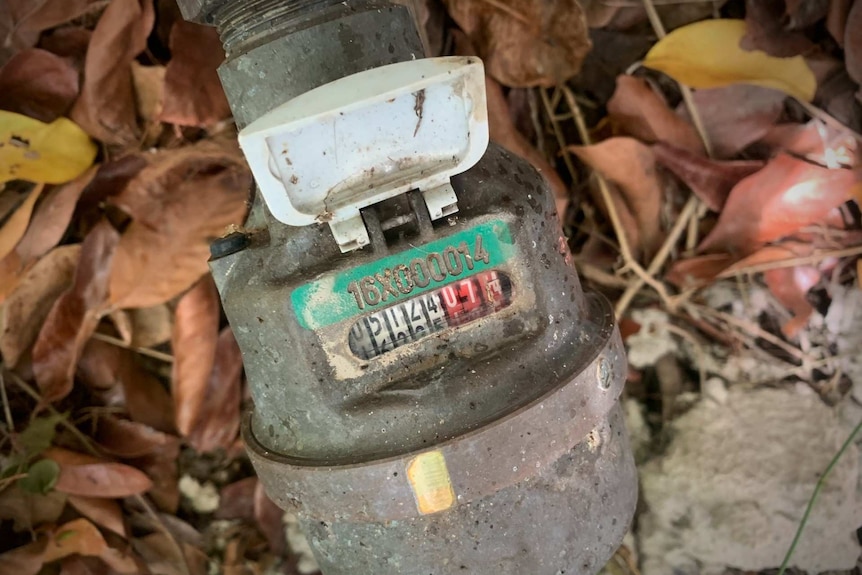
(433, 391)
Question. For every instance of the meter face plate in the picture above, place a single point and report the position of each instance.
(376, 285)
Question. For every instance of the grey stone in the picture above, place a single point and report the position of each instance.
(733, 484)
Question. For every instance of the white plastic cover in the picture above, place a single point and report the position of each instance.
(367, 137)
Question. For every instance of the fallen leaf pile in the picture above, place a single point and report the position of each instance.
(682, 152)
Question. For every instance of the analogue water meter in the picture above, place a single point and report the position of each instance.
(434, 393)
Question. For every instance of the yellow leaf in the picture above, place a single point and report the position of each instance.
(16, 225)
(707, 54)
(38, 152)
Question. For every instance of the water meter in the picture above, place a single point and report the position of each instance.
(434, 393)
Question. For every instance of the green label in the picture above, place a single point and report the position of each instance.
(369, 287)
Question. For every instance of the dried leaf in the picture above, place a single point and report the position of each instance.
(93, 477)
(697, 271)
(75, 315)
(30, 510)
(151, 326)
(77, 565)
(525, 42)
(149, 84)
(80, 537)
(106, 107)
(814, 141)
(776, 201)
(236, 500)
(26, 560)
(105, 367)
(641, 191)
(194, 343)
(38, 152)
(163, 557)
(853, 42)
(38, 84)
(179, 203)
(504, 132)
(736, 116)
(193, 93)
(790, 286)
(709, 179)
(104, 512)
(14, 228)
(161, 467)
(129, 439)
(766, 27)
(708, 54)
(217, 424)
(270, 520)
(836, 19)
(642, 113)
(51, 218)
(804, 13)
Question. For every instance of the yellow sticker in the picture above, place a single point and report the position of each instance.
(430, 481)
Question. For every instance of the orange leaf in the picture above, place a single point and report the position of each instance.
(640, 189)
(80, 537)
(777, 201)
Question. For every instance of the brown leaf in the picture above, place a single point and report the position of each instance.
(151, 326)
(14, 227)
(106, 107)
(93, 477)
(26, 308)
(639, 185)
(697, 271)
(29, 510)
(525, 42)
(21, 21)
(26, 560)
(104, 512)
(836, 19)
(217, 424)
(504, 132)
(709, 179)
(804, 13)
(853, 42)
(194, 343)
(129, 439)
(642, 113)
(149, 84)
(193, 93)
(75, 315)
(270, 520)
(38, 84)
(80, 537)
(52, 217)
(105, 367)
(161, 467)
(77, 565)
(237, 500)
(181, 202)
(163, 557)
(69, 42)
(737, 115)
(766, 30)
(776, 201)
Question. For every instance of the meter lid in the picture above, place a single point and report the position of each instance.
(359, 140)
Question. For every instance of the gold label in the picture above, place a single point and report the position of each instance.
(429, 478)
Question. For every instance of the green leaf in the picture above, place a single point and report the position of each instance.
(39, 434)
(41, 477)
